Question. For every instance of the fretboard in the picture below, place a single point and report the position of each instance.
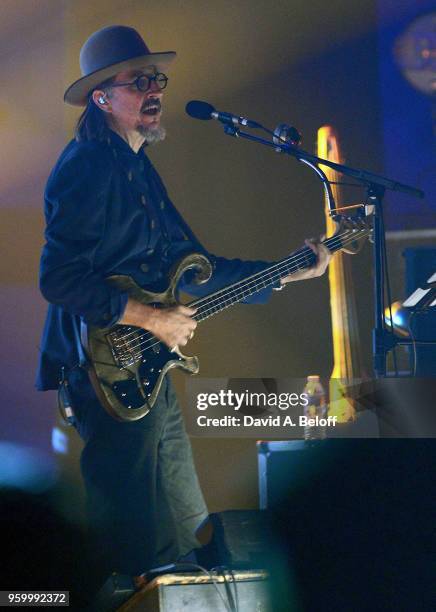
(298, 260)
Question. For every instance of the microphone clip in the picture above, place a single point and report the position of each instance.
(231, 130)
(286, 134)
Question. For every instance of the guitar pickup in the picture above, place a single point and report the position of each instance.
(125, 345)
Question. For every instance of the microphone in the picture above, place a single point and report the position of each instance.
(205, 111)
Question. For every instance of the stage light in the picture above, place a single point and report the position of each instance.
(415, 53)
(26, 468)
(400, 319)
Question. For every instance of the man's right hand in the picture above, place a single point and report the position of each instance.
(173, 325)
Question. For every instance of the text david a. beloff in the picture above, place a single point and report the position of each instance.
(279, 420)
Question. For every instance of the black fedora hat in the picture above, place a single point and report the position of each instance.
(106, 53)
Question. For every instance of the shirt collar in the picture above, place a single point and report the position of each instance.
(121, 146)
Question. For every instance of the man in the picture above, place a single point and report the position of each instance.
(108, 212)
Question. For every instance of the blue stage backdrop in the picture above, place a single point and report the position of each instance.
(408, 134)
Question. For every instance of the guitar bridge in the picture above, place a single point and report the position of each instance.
(125, 345)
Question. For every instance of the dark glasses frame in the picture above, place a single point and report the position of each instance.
(143, 82)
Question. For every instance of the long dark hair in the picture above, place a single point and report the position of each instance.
(91, 124)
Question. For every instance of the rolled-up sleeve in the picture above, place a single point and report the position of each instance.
(76, 206)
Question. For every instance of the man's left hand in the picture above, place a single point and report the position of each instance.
(323, 256)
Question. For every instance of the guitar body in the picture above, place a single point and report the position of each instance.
(128, 365)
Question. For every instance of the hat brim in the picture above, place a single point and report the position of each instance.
(77, 93)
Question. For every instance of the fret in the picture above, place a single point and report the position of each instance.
(130, 363)
(300, 260)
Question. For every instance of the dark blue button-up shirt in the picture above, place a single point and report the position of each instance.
(107, 212)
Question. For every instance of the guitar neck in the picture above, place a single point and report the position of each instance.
(298, 260)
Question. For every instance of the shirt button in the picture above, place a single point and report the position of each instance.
(141, 166)
(162, 205)
(145, 267)
(129, 175)
(153, 224)
(143, 200)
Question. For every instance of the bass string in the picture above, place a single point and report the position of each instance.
(147, 336)
(300, 256)
(252, 283)
(269, 275)
(218, 301)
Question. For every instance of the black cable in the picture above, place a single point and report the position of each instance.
(221, 569)
(412, 337)
(234, 583)
(345, 184)
(388, 291)
(236, 589)
(211, 577)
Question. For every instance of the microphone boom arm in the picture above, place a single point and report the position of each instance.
(363, 176)
(383, 341)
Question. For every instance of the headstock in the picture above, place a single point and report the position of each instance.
(358, 223)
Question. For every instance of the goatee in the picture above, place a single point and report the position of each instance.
(152, 135)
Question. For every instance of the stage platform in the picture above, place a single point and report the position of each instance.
(196, 592)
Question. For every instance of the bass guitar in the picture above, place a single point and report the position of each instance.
(128, 364)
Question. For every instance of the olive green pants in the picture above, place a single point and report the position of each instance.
(143, 495)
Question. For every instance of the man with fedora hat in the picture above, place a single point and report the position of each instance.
(108, 212)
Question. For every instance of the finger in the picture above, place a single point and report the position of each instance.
(189, 324)
(324, 252)
(187, 310)
(312, 245)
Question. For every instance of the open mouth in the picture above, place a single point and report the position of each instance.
(152, 108)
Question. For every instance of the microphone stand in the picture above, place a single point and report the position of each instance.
(376, 185)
